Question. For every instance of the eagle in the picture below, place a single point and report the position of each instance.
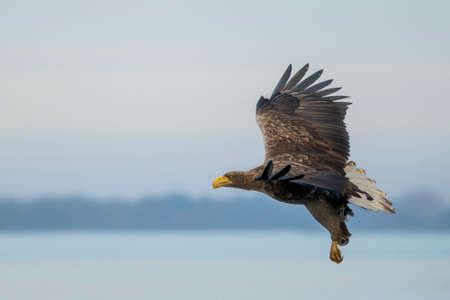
(306, 156)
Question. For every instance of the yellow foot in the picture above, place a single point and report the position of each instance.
(335, 253)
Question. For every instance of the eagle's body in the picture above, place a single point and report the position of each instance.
(307, 145)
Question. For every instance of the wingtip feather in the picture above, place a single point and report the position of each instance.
(282, 82)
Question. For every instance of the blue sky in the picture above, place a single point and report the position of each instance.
(126, 99)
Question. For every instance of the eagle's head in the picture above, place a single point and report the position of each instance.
(235, 179)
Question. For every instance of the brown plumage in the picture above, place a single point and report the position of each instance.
(307, 149)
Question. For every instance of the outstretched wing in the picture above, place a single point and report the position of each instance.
(303, 126)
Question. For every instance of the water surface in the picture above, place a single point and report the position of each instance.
(222, 265)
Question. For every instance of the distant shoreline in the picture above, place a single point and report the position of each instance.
(420, 211)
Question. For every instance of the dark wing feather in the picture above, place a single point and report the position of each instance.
(282, 82)
(307, 82)
(327, 92)
(318, 86)
(297, 77)
(306, 130)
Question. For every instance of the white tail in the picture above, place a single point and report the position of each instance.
(370, 196)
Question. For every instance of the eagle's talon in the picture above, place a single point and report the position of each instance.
(335, 253)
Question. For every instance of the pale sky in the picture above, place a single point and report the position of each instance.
(133, 98)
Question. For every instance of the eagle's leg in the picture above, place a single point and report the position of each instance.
(332, 217)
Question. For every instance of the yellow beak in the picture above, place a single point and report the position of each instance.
(221, 181)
